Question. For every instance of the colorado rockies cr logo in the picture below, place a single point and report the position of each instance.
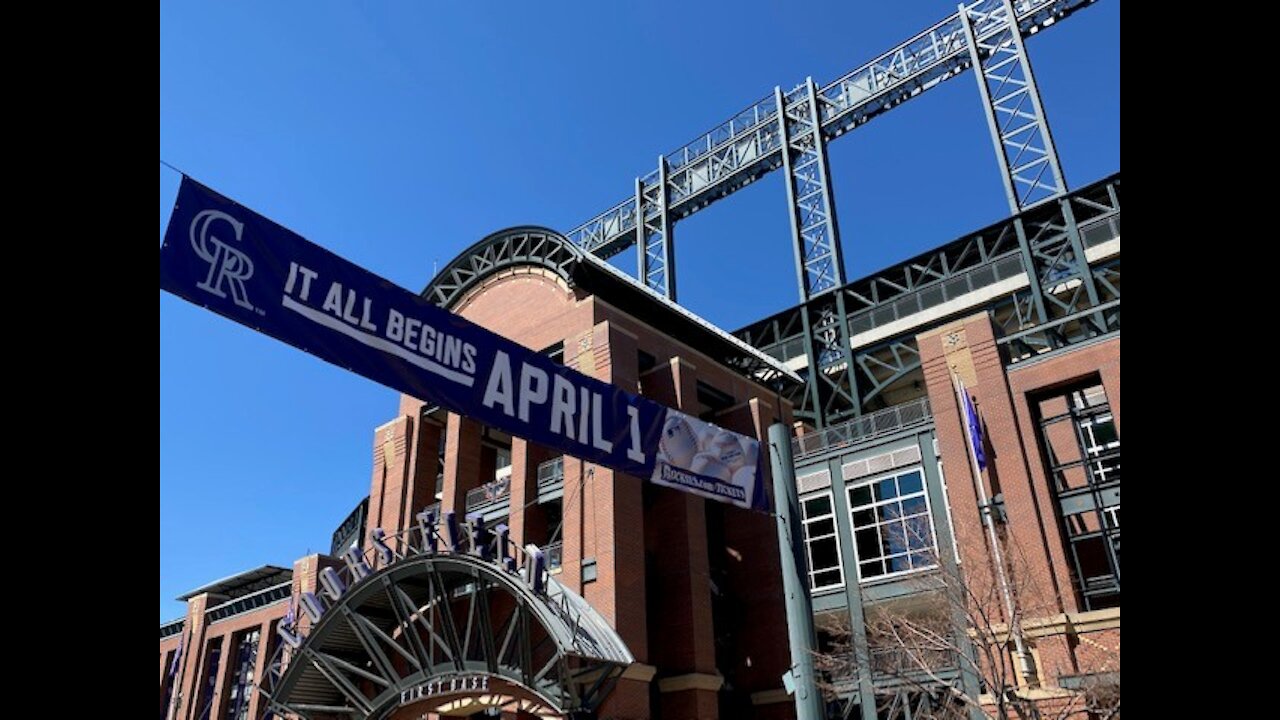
(228, 267)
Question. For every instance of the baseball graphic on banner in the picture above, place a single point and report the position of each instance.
(701, 458)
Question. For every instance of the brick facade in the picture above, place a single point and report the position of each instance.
(694, 588)
(1065, 640)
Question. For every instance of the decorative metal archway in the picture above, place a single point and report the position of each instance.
(448, 633)
(518, 246)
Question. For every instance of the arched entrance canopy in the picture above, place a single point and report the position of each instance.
(448, 632)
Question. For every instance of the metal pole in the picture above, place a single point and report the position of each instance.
(795, 585)
(1019, 647)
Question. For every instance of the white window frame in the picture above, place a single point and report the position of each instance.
(1094, 448)
(835, 533)
(928, 511)
(1110, 517)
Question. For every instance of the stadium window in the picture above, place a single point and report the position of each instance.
(1100, 437)
(241, 684)
(892, 528)
(213, 654)
(821, 543)
(1081, 449)
(645, 362)
(555, 352)
(551, 472)
(713, 399)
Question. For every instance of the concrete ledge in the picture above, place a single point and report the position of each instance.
(691, 681)
(1042, 693)
(770, 697)
(640, 671)
(609, 325)
(682, 360)
(1085, 622)
(1078, 623)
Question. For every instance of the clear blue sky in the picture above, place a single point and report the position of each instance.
(396, 134)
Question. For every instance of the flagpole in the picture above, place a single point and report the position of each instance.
(1019, 647)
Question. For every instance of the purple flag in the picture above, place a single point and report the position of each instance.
(973, 427)
(290, 618)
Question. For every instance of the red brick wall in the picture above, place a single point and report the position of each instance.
(1035, 552)
(605, 513)
(197, 636)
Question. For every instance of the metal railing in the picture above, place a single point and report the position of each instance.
(173, 627)
(912, 662)
(555, 555)
(890, 663)
(928, 296)
(489, 493)
(868, 426)
(351, 527)
(1064, 332)
(1004, 267)
(917, 301)
(253, 601)
(551, 472)
(1096, 232)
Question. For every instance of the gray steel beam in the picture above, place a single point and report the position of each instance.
(655, 256)
(819, 260)
(742, 149)
(814, 231)
(1024, 147)
(795, 584)
(1033, 274)
(1082, 261)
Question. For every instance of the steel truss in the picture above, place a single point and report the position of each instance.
(1029, 163)
(792, 132)
(1048, 243)
(656, 257)
(506, 248)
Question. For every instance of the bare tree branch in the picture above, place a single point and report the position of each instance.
(955, 624)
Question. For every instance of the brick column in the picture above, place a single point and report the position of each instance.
(424, 469)
(391, 480)
(193, 640)
(461, 463)
(573, 533)
(405, 465)
(683, 648)
(755, 572)
(424, 460)
(1035, 564)
(611, 519)
(1111, 384)
(306, 578)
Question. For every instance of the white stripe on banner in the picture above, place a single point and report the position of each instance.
(376, 342)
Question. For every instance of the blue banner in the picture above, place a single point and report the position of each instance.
(222, 256)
